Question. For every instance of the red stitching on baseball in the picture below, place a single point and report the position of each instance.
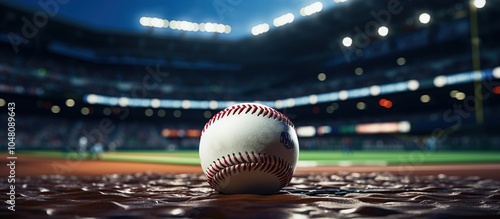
(248, 156)
(263, 111)
(221, 168)
(236, 158)
(240, 110)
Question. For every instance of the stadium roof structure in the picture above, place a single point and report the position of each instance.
(297, 51)
(113, 28)
(124, 16)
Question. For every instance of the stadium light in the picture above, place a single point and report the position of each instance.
(260, 29)
(321, 76)
(145, 21)
(343, 95)
(313, 99)
(278, 104)
(92, 98)
(148, 112)
(383, 31)
(157, 22)
(55, 109)
(106, 111)
(203, 27)
(195, 27)
(425, 98)
(440, 81)
(184, 25)
(155, 103)
(174, 25)
(187, 26)
(221, 28)
(383, 127)
(70, 103)
(413, 85)
(479, 3)
(401, 61)
(324, 130)
(460, 96)
(207, 114)
(283, 19)
(347, 41)
(496, 90)
(306, 131)
(385, 103)
(161, 113)
(123, 101)
(177, 113)
(210, 27)
(496, 72)
(290, 102)
(332, 96)
(361, 105)
(375, 90)
(358, 71)
(339, 1)
(424, 18)
(213, 104)
(186, 104)
(85, 111)
(227, 29)
(330, 109)
(404, 126)
(311, 9)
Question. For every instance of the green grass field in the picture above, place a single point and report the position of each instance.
(306, 157)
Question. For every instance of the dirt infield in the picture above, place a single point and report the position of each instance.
(35, 166)
(48, 188)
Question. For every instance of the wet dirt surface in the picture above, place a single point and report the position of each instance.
(339, 195)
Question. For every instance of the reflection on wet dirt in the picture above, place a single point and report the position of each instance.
(345, 195)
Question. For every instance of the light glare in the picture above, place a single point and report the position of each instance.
(375, 90)
(425, 98)
(361, 105)
(283, 19)
(496, 72)
(440, 81)
(145, 21)
(383, 31)
(413, 85)
(321, 76)
(479, 3)
(184, 25)
(424, 18)
(311, 9)
(55, 109)
(70, 103)
(347, 41)
(260, 29)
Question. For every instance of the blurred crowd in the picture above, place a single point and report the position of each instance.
(36, 132)
(60, 133)
(422, 68)
(57, 74)
(399, 142)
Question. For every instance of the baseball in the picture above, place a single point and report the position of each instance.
(248, 148)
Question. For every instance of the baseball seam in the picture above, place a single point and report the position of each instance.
(233, 164)
(249, 108)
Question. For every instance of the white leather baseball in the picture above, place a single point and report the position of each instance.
(248, 148)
